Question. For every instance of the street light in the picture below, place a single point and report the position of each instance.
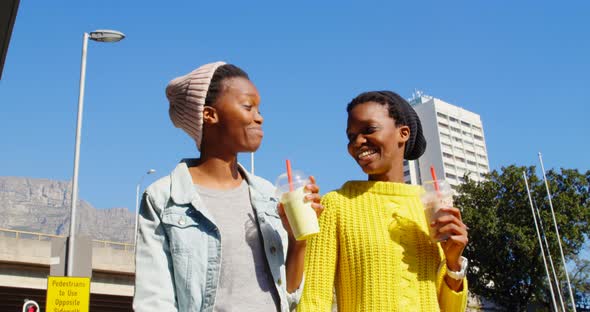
(105, 35)
(100, 36)
(137, 205)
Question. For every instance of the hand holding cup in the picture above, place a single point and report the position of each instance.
(299, 206)
(444, 221)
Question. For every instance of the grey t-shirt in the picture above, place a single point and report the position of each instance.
(245, 282)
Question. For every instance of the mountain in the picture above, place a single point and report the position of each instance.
(42, 205)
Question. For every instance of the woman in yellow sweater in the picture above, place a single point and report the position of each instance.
(374, 246)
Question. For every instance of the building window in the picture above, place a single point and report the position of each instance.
(453, 119)
(457, 139)
(478, 137)
(450, 166)
(442, 125)
(469, 162)
(447, 155)
(461, 159)
(470, 153)
(465, 123)
(450, 176)
(456, 129)
(441, 115)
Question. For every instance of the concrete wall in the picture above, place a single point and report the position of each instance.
(25, 263)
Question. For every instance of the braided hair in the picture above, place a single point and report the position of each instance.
(217, 85)
(402, 113)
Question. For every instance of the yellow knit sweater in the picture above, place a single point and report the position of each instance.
(374, 248)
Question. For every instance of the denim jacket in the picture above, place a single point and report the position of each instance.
(178, 255)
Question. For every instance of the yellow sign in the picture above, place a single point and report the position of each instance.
(68, 294)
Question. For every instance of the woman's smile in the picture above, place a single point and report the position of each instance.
(366, 155)
(256, 131)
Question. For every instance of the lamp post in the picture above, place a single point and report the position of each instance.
(100, 36)
(137, 205)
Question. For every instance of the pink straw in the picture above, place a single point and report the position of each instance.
(433, 174)
(289, 175)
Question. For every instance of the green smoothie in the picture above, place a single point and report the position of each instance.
(302, 217)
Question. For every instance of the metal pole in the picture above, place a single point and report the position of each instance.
(136, 213)
(569, 286)
(70, 249)
(252, 163)
(558, 286)
(137, 205)
(540, 243)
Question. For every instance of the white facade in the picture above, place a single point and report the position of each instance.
(455, 143)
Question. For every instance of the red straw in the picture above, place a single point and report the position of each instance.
(289, 175)
(433, 174)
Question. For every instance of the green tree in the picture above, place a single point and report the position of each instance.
(581, 282)
(504, 252)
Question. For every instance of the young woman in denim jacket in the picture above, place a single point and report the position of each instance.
(211, 237)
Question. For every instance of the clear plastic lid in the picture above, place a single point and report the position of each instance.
(299, 179)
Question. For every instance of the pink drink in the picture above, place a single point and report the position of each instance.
(433, 200)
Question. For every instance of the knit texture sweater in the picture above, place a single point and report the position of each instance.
(374, 248)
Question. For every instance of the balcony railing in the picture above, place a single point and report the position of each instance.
(47, 237)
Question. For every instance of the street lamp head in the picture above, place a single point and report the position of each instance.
(151, 171)
(106, 35)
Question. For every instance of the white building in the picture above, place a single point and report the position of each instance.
(455, 143)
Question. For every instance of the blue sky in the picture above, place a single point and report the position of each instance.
(523, 66)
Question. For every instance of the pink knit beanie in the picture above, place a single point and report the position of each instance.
(186, 95)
